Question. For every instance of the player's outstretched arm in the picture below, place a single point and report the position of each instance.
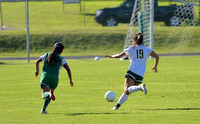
(37, 66)
(69, 74)
(116, 55)
(154, 55)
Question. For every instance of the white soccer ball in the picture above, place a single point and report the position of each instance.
(110, 96)
(97, 58)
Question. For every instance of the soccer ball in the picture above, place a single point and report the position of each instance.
(110, 96)
(97, 58)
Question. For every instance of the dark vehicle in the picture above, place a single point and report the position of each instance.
(122, 14)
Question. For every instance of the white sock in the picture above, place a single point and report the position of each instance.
(122, 99)
(46, 95)
(133, 89)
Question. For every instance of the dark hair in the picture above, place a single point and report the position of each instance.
(58, 48)
(138, 38)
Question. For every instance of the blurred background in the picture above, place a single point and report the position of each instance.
(75, 26)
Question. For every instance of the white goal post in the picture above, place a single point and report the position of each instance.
(152, 24)
(27, 30)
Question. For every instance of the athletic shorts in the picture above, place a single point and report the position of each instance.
(50, 81)
(135, 77)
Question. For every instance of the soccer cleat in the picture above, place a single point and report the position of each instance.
(43, 111)
(52, 95)
(143, 88)
(115, 108)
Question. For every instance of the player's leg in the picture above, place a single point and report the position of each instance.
(128, 82)
(46, 96)
(47, 84)
(136, 79)
(136, 88)
(54, 84)
(45, 91)
(130, 86)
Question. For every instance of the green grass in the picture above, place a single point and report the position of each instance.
(47, 17)
(173, 93)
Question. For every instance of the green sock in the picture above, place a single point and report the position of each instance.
(46, 103)
(45, 95)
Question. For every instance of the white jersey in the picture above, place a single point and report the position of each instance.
(138, 56)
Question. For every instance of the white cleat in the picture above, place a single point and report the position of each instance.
(43, 112)
(143, 88)
(115, 108)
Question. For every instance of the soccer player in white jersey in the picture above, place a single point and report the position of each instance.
(138, 55)
(53, 62)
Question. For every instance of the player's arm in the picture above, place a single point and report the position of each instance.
(69, 74)
(116, 55)
(154, 55)
(37, 66)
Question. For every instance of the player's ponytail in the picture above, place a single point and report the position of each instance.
(138, 38)
(58, 48)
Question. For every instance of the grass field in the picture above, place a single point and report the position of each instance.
(173, 93)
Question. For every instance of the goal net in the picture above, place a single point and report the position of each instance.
(140, 22)
(183, 22)
(178, 27)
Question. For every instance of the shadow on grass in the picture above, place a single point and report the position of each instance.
(171, 109)
(2, 63)
(89, 113)
(87, 14)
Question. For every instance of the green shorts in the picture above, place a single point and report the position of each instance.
(135, 77)
(50, 81)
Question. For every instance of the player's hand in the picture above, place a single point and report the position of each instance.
(154, 69)
(36, 73)
(108, 56)
(71, 83)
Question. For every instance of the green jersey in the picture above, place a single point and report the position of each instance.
(50, 72)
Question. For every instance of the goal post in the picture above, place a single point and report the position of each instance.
(1, 15)
(151, 25)
(27, 30)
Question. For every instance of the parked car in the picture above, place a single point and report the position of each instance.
(122, 14)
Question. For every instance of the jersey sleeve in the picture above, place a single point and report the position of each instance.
(149, 51)
(127, 50)
(43, 57)
(64, 61)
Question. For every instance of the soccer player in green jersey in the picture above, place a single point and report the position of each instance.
(50, 73)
